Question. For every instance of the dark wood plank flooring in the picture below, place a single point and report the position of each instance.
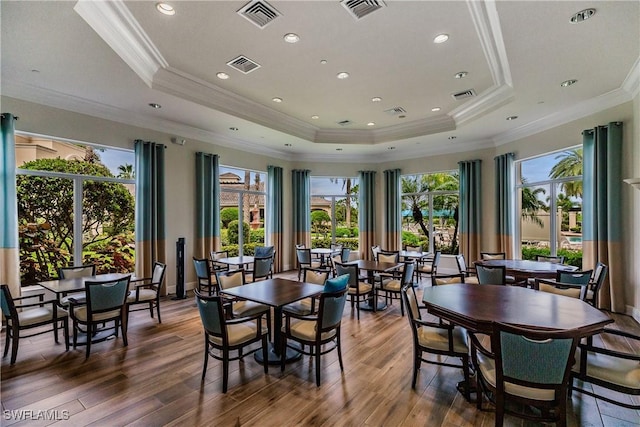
(156, 381)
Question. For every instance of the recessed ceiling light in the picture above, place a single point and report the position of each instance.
(342, 75)
(165, 8)
(222, 76)
(315, 117)
(583, 15)
(154, 105)
(338, 149)
(323, 61)
(371, 124)
(402, 116)
(568, 82)
(233, 128)
(376, 99)
(452, 137)
(441, 38)
(291, 38)
(35, 71)
(391, 148)
(435, 109)
(276, 99)
(287, 145)
(461, 75)
(512, 118)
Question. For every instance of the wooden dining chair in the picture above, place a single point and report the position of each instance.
(205, 277)
(552, 259)
(358, 291)
(470, 274)
(574, 284)
(486, 256)
(491, 275)
(392, 287)
(147, 291)
(86, 270)
(305, 261)
(597, 279)
(30, 316)
(308, 305)
(428, 266)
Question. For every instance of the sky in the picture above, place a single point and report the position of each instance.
(113, 158)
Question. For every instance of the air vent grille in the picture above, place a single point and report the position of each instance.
(361, 8)
(345, 122)
(395, 111)
(243, 64)
(259, 12)
(470, 93)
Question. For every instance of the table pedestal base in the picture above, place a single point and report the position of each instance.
(274, 359)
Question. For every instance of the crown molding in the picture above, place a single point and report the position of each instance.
(631, 83)
(488, 101)
(575, 112)
(115, 24)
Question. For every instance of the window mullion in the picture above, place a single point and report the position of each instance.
(78, 184)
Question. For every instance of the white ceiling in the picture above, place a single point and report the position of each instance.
(111, 59)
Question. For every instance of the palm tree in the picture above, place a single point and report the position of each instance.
(346, 186)
(126, 171)
(531, 204)
(570, 164)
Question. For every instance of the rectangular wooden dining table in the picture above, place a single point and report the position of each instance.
(372, 267)
(61, 287)
(277, 293)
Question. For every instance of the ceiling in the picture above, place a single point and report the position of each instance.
(112, 59)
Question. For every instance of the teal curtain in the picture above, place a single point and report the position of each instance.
(505, 188)
(150, 206)
(470, 209)
(9, 245)
(367, 212)
(301, 199)
(207, 204)
(392, 210)
(274, 213)
(601, 217)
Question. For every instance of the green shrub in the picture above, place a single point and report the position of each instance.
(232, 233)
(346, 242)
(256, 236)
(343, 232)
(227, 215)
(248, 249)
(408, 238)
(571, 257)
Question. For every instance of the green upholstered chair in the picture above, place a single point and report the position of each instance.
(262, 268)
(305, 261)
(491, 275)
(205, 276)
(528, 368)
(358, 291)
(486, 256)
(437, 338)
(572, 284)
(106, 303)
(392, 287)
(223, 336)
(31, 316)
(428, 266)
(308, 305)
(470, 275)
(552, 259)
(321, 331)
(72, 273)
(147, 291)
(597, 279)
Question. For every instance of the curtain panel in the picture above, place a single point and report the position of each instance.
(274, 213)
(9, 244)
(392, 226)
(505, 187)
(470, 209)
(367, 212)
(150, 206)
(207, 204)
(301, 198)
(601, 217)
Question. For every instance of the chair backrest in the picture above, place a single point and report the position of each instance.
(230, 279)
(533, 358)
(300, 246)
(574, 277)
(203, 271)
(317, 277)
(331, 309)
(74, 272)
(262, 266)
(304, 256)
(106, 295)
(462, 264)
(408, 294)
(552, 259)
(599, 274)
(351, 270)
(211, 314)
(336, 246)
(435, 261)
(374, 251)
(214, 256)
(491, 275)
(263, 251)
(407, 273)
(344, 254)
(492, 255)
(388, 256)
(8, 306)
(413, 248)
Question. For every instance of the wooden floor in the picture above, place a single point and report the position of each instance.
(156, 381)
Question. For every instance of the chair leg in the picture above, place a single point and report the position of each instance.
(416, 367)
(15, 339)
(124, 325)
(89, 339)
(206, 356)
(151, 308)
(55, 329)
(401, 307)
(75, 334)
(317, 349)
(339, 351)
(225, 370)
(158, 309)
(7, 339)
(65, 327)
(499, 410)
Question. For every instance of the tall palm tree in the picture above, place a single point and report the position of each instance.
(347, 187)
(126, 171)
(570, 164)
(531, 204)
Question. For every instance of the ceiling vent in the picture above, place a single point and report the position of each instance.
(361, 8)
(345, 123)
(243, 64)
(259, 12)
(395, 111)
(470, 93)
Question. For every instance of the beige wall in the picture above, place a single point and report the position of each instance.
(44, 120)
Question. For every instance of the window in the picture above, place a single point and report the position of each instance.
(550, 205)
(242, 210)
(76, 205)
(334, 212)
(430, 211)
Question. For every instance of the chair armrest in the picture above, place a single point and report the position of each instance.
(477, 345)
(39, 296)
(139, 279)
(615, 353)
(36, 304)
(300, 316)
(420, 322)
(244, 319)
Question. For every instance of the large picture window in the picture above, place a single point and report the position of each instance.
(430, 211)
(242, 210)
(76, 205)
(550, 205)
(334, 212)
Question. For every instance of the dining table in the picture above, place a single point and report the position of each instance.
(62, 287)
(276, 293)
(323, 253)
(372, 267)
(238, 261)
(522, 269)
(414, 255)
(477, 307)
